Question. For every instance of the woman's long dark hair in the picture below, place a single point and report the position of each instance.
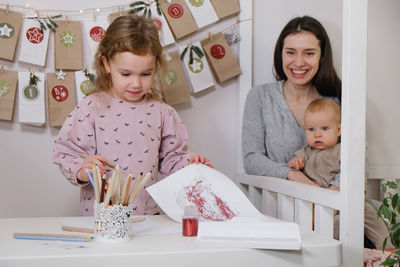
(326, 81)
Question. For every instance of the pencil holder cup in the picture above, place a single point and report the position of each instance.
(112, 223)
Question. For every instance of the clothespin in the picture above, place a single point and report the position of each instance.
(167, 57)
(119, 11)
(66, 20)
(37, 13)
(210, 36)
(94, 16)
(2, 68)
(190, 42)
(7, 9)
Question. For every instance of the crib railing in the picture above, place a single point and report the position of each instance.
(292, 201)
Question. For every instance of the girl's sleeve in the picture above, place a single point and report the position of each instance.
(255, 157)
(174, 153)
(76, 137)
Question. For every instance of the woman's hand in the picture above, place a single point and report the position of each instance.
(298, 176)
(87, 164)
(198, 158)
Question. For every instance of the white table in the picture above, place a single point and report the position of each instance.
(152, 250)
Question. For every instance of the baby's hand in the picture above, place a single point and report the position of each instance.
(198, 158)
(296, 163)
(88, 163)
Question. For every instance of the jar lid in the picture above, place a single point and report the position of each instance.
(190, 211)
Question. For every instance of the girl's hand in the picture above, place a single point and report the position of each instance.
(87, 164)
(198, 158)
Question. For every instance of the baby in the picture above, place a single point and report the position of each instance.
(320, 159)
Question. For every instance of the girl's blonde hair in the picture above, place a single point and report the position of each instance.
(130, 33)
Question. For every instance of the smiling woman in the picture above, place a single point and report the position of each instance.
(274, 112)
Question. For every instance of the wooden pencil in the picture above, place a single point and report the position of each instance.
(125, 192)
(140, 186)
(77, 229)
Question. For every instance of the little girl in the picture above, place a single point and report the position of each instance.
(124, 122)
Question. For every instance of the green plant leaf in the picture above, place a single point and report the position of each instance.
(391, 184)
(384, 244)
(389, 261)
(386, 213)
(383, 187)
(385, 203)
(395, 200)
(184, 53)
(136, 10)
(198, 51)
(138, 3)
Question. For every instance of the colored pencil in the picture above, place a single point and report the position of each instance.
(90, 177)
(106, 163)
(53, 237)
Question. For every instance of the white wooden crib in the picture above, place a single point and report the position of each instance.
(291, 201)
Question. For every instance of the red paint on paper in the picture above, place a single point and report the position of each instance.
(210, 206)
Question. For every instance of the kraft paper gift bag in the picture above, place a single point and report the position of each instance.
(83, 85)
(93, 33)
(68, 46)
(61, 97)
(226, 8)
(198, 71)
(31, 100)
(8, 87)
(113, 16)
(34, 43)
(202, 11)
(173, 80)
(179, 17)
(222, 61)
(10, 25)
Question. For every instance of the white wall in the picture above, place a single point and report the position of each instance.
(272, 16)
(31, 186)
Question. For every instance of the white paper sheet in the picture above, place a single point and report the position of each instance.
(216, 197)
(34, 43)
(252, 234)
(165, 34)
(31, 100)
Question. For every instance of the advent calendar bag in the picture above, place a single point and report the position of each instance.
(179, 17)
(226, 8)
(202, 11)
(34, 43)
(10, 25)
(8, 87)
(31, 99)
(68, 46)
(61, 97)
(165, 34)
(113, 16)
(198, 70)
(173, 80)
(83, 84)
(222, 61)
(94, 31)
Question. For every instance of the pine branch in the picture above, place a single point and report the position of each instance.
(33, 80)
(158, 8)
(198, 51)
(136, 10)
(89, 75)
(138, 3)
(184, 53)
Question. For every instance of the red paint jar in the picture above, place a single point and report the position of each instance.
(190, 221)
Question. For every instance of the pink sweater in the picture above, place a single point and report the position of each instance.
(140, 137)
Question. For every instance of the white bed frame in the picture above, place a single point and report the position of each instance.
(293, 201)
